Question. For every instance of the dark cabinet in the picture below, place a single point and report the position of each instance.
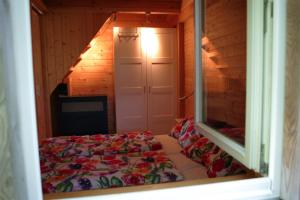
(80, 115)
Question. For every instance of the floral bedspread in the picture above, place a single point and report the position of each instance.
(99, 144)
(76, 163)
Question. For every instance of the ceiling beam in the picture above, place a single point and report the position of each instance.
(170, 6)
(39, 6)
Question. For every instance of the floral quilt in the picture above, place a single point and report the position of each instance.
(74, 163)
(62, 147)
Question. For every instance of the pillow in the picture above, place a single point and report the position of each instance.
(223, 164)
(201, 150)
(188, 134)
(177, 129)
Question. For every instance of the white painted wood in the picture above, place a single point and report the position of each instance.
(161, 75)
(145, 66)
(250, 153)
(130, 80)
(6, 178)
(22, 120)
(19, 88)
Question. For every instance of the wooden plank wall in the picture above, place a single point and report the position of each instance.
(290, 184)
(224, 61)
(93, 75)
(187, 18)
(65, 34)
(38, 75)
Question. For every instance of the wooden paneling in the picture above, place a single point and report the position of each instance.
(93, 75)
(142, 20)
(38, 75)
(64, 35)
(224, 61)
(290, 184)
(39, 6)
(172, 6)
(180, 71)
(6, 179)
(187, 18)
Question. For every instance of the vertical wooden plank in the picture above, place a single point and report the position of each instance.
(58, 46)
(51, 69)
(180, 70)
(290, 184)
(189, 67)
(38, 75)
(66, 41)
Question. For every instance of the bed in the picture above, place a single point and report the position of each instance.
(74, 163)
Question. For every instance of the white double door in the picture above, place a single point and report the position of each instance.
(145, 79)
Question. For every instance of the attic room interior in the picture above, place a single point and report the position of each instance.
(118, 92)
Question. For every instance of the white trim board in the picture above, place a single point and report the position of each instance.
(20, 92)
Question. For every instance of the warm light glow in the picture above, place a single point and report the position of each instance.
(93, 42)
(116, 29)
(149, 41)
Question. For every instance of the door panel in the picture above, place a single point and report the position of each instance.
(161, 66)
(130, 71)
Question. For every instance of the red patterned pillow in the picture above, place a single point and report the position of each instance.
(177, 129)
(200, 150)
(222, 164)
(188, 134)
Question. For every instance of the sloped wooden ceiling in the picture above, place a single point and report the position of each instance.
(172, 6)
(69, 25)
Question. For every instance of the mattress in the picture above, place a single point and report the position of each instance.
(188, 168)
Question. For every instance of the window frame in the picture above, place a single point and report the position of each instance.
(257, 71)
(22, 118)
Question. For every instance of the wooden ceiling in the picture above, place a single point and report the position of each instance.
(159, 6)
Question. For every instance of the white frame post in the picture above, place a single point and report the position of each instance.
(20, 92)
(20, 98)
(249, 153)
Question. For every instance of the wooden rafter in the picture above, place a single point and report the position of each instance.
(171, 6)
(39, 6)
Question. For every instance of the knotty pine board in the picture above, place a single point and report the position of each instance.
(94, 74)
(224, 61)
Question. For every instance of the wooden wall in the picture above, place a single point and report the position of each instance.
(224, 53)
(187, 18)
(39, 76)
(290, 184)
(93, 75)
(65, 33)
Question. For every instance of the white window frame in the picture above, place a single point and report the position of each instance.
(22, 118)
(257, 120)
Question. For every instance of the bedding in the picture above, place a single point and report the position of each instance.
(108, 172)
(66, 146)
(76, 163)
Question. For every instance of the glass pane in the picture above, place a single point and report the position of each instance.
(224, 67)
